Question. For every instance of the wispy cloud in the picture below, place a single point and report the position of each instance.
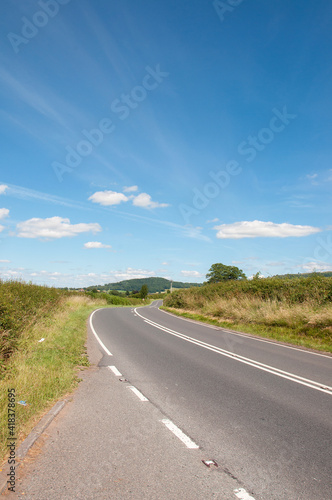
(96, 244)
(192, 274)
(310, 267)
(4, 212)
(30, 194)
(3, 188)
(130, 189)
(133, 274)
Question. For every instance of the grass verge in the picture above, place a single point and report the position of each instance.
(279, 333)
(43, 372)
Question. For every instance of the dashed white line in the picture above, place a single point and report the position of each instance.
(242, 494)
(138, 393)
(179, 434)
(115, 371)
(95, 334)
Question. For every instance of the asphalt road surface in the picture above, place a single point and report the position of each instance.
(261, 410)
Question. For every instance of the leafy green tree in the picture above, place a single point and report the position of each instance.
(257, 275)
(221, 272)
(144, 291)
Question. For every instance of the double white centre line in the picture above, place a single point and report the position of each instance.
(242, 359)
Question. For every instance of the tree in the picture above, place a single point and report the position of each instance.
(221, 272)
(144, 291)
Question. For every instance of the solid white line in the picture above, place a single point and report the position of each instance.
(242, 494)
(115, 371)
(256, 364)
(138, 393)
(95, 334)
(246, 335)
(179, 434)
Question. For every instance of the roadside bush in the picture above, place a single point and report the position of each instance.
(21, 306)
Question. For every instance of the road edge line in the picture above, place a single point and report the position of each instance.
(30, 440)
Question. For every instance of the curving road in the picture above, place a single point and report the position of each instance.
(261, 410)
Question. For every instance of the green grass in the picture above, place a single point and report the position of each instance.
(44, 372)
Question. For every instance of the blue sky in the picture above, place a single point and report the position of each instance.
(144, 138)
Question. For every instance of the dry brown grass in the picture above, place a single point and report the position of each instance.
(243, 306)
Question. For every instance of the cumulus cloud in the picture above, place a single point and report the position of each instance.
(144, 200)
(192, 274)
(3, 213)
(108, 198)
(130, 189)
(3, 188)
(259, 229)
(95, 244)
(53, 227)
(310, 267)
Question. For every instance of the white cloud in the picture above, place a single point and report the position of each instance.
(4, 261)
(3, 213)
(95, 244)
(258, 229)
(164, 264)
(53, 227)
(3, 188)
(144, 200)
(130, 189)
(131, 273)
(2, 228)
(193, 274)
(107, 198)
(310, 267)
(213, 220)
(313, 176)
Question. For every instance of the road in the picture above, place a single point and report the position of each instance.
(261, 410)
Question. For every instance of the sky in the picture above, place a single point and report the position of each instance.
(156, 138)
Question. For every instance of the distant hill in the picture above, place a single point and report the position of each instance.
(326, 274)
(155, 285)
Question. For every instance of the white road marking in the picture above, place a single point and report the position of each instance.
(179, 434)
(138, 393)
(256, 364)
(247, 336)
(115, 371)
(95, 334)
(242, 494)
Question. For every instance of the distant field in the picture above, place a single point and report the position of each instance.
(295, 311)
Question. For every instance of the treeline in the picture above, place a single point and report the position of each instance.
(326, 274)
(316, 290)
(155, 285)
